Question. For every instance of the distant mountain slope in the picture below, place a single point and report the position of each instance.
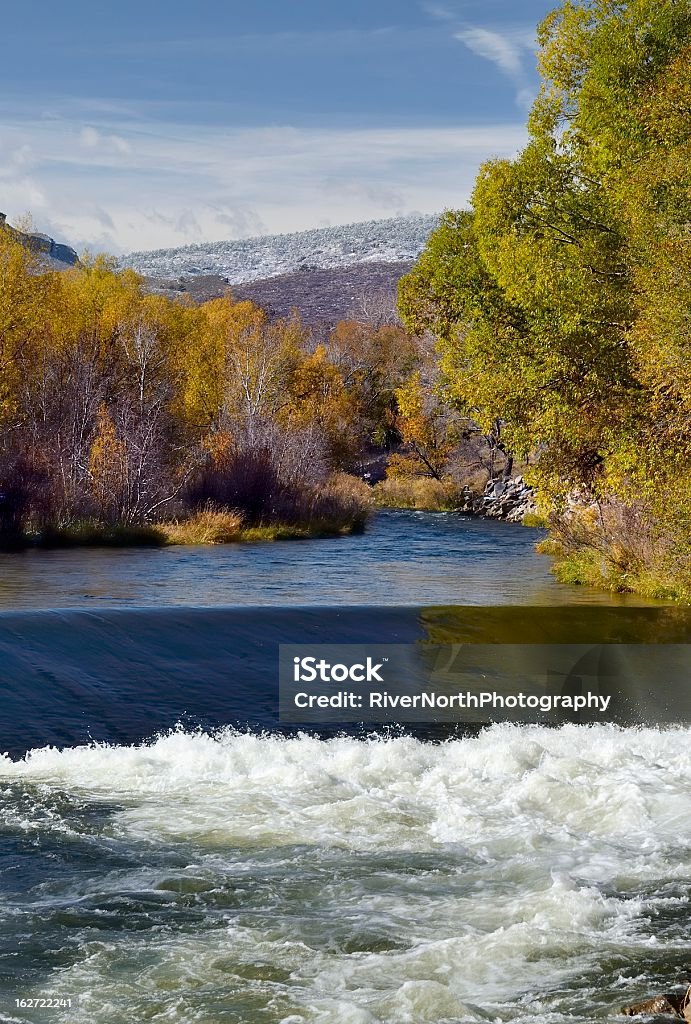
(54, 255)
(322, 296)
(400, 239)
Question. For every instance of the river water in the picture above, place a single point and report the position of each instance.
(404, 558)
(184, 867)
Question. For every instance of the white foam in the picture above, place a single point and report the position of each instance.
(495, 870)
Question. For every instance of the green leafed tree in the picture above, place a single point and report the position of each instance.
(561, 298)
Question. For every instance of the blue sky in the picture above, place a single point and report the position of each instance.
(143, 124)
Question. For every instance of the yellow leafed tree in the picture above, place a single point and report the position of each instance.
(108, 468)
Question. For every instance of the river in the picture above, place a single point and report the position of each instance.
(404, 558)
(185, 866)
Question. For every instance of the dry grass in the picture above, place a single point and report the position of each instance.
(341, 506)
(423, 493)
(208, 526)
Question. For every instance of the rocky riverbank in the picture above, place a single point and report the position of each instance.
(510, 500)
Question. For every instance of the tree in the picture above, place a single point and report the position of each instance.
(561, 300)
(428, 427)
(21, 295)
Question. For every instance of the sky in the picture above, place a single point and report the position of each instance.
(141, 124)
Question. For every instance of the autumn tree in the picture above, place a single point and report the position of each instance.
(22, 294)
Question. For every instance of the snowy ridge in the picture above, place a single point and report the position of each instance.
(253, 259)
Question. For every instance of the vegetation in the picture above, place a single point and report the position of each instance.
(560, 301)
(127, 417)
(207, 526)
(547, 328)
(419, 492)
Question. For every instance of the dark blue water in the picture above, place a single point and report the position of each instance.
(196, 864)
(71, 676)
(119, 645)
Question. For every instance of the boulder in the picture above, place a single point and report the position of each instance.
(510, 500)
(672, 1004)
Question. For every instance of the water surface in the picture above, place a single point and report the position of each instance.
(201, 875)
(528, 875)
(404, 558)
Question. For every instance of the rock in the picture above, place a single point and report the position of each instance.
(50, 250)
(672, 1004)
(509, 500)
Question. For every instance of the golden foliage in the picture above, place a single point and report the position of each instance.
(107, 465)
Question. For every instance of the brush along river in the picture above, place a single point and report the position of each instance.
(223, 872)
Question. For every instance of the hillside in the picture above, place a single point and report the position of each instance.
(366, 290)
(53, 255)
(398, 240)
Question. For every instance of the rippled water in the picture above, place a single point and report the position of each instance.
(526, 875)
(220, 876)
(411, 558)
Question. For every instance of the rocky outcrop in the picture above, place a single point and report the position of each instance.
(502, 499)
(53, 253)
(672, 1004)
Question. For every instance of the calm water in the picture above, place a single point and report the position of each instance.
(237, 876)
(404, 558)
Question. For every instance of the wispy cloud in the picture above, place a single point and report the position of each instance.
(89, 138)
(509, 48)
(500, 49)
(172, 184)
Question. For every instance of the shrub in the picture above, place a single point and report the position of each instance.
(24, 498)
(534, 519)
(264, 472)
(342, 505)
(273, 477)
(621, 547)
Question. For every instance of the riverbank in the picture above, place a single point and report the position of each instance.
(207, 527)
(596, 568)
(512, 499)
(339, 507)
(586, 547)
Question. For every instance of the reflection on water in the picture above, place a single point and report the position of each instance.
(404, 558)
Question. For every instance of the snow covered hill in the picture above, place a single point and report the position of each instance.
(396, 240)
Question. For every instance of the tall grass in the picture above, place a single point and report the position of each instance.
(619, 547)
(91, 533)
(208, 526)
(340, 506)
(419, 492)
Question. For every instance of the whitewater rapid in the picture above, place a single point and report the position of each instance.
(527, 874)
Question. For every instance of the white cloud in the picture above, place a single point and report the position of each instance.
(501, 50)
(507, 50)
(122, 145)
(163, 185)
(89, 138)
(506, 47)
